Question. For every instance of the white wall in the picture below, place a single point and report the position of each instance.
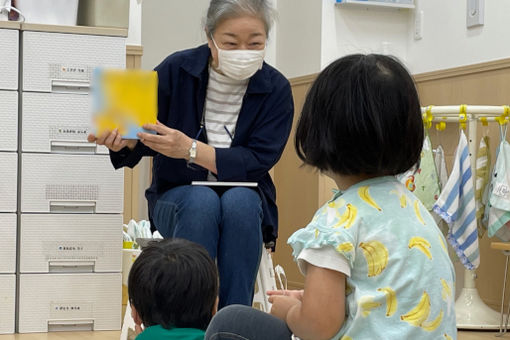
(347, 30)
(135, 23)
(448, 43)
(298, 43)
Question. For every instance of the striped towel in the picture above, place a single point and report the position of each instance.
(456, 205)
(483, 161)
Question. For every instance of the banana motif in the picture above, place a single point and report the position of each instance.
(365, 196)
(317, 232)
(401, 196)
(421, 244)
(376, 256)
(417, 212)
(336, 204)
(366, 304)
(446, 291)
(447, 337)
(345, 247)
(391, 300)
(419, 313)
(348, 217)
(345, 337)
(430, 326)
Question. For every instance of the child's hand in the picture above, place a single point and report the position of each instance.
(297, 294)
(282, 304)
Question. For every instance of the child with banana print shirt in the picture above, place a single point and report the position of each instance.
(375, 263)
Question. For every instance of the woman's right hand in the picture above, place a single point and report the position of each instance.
(112, 140)
(297, 294)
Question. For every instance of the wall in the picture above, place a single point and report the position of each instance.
(347, 30)
(298, 47)
(448, 43)
(135, 23)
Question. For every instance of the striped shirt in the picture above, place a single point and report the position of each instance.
(222, 105)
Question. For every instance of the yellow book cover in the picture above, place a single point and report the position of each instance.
(124, 100)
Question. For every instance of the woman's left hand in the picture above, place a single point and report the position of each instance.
(169, 142)
(281, 305)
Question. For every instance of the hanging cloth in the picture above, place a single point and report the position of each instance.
(423, 182)
(456, 205)
(483, 161)
(499, 193)
(440, 161)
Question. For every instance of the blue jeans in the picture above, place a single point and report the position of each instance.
(245, 323)
(228, 225)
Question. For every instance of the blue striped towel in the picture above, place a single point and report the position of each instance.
(456, 205)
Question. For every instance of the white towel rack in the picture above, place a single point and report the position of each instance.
(471, 311)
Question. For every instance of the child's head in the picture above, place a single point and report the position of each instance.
(174, 283)
(361, 117)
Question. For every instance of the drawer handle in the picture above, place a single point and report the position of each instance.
(70, 86)
(72, 206)
(72, 147)
(70, 325)
(73, 266)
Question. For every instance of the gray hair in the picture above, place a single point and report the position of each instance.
(220, 10)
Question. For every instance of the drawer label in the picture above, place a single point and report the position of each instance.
(70, 72)
(69, 132)
(79, 192)
(71, 309)
(73, 250)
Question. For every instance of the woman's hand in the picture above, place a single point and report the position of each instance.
(112, 140)
(169, 142)
(282, 304)
(297, 294)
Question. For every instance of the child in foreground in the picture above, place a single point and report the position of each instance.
(375, 263)
(173, 290)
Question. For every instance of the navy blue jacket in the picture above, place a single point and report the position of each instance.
(261, 133)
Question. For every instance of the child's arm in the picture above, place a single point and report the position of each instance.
(320, 314)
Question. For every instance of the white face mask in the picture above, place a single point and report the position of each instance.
(239, 64)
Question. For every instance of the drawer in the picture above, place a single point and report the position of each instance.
(8, 181)
(69, 302)
(9, 55)
(57, 122)
(70, 243)
(8, 225)
(56, 62)
(56, 183)
(7, 305)
(8, 119)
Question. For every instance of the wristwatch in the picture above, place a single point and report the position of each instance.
(192, 152)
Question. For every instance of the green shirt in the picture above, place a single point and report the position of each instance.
(159, 333)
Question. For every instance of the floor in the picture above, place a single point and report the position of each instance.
(115, 335)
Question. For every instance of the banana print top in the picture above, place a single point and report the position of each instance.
(401, 284)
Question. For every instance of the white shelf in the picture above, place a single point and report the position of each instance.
(367, 4)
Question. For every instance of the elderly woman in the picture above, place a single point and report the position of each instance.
(223, 115)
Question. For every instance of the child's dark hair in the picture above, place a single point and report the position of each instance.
(361, 116)
(174, 283)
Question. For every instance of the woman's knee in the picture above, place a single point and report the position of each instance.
(241, 201)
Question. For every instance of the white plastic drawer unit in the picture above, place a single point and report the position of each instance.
(9, 54)
(56, 183)
(69, 302)
(58, 123)
(7, 305)
(56, 62)
(8, 181)
(8, 248)
(70, 243)
(8, 119)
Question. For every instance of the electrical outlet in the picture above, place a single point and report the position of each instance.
(475, 13)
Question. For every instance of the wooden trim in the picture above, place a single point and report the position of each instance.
(134, 50)
(108, 31)
(10, 24)
(463, 70)
(303, 80)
